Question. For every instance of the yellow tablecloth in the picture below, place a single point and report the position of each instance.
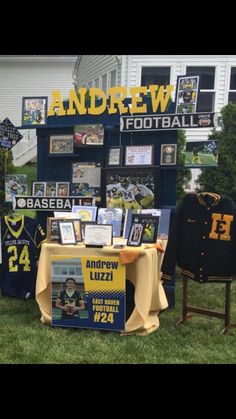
(144, 273)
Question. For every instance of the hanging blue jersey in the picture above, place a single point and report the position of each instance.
(21, 243)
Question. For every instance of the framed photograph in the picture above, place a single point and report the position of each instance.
(115, 156)
(201, 153)
(98, 235)
(150, 223)
(15, 184)
(85, 213)
(77, 227)
(82, 227)
(62, 189)
(168, 154)
(51, 188)
(139, 155)
(61, 144)
(67, 232)
(88, 135)
(135, 235)
(86, 179)
(38, 188)
(131, 189)
(186, 94)
(34, 111)
(53, 235)
(111, 216)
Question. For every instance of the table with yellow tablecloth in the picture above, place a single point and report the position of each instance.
(142, 269)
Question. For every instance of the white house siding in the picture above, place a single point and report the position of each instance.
(178, 64)
(90, 67)
(32, 76)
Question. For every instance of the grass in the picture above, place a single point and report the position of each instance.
(25, 340)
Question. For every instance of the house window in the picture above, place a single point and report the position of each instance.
(113, 78)
(206, 96)
(155, 75)
(232, 86)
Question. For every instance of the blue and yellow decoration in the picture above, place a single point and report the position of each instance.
(101, 282)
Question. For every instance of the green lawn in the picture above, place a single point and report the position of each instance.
(25, 340)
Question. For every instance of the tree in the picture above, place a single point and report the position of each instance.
(184, 174)
(222, 179)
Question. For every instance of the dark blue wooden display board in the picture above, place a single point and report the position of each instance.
(54, 168)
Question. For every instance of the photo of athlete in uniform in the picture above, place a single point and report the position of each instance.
(69, 300)
(130, 192)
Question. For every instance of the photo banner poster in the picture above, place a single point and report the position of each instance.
(201, 153)
(131, 190)
(88, 292)
(186, 94)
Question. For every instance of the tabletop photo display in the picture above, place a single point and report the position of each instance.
(135, 235)
(111, 216)
(98, 235)
(67, 232)
(150, 224)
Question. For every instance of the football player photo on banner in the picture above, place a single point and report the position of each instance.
(88, 292)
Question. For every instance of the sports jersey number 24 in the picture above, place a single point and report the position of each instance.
(17, 259)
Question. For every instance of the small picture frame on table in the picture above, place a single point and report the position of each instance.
(53, 235)
(67, 232)
(82, 227)
(115, 156)
(135, 235)
(98, 235)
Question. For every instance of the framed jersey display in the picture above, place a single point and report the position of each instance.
(132, 189)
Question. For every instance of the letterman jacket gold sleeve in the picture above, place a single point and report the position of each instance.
(203, 239)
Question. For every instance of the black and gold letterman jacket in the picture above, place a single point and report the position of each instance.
(202, 240)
